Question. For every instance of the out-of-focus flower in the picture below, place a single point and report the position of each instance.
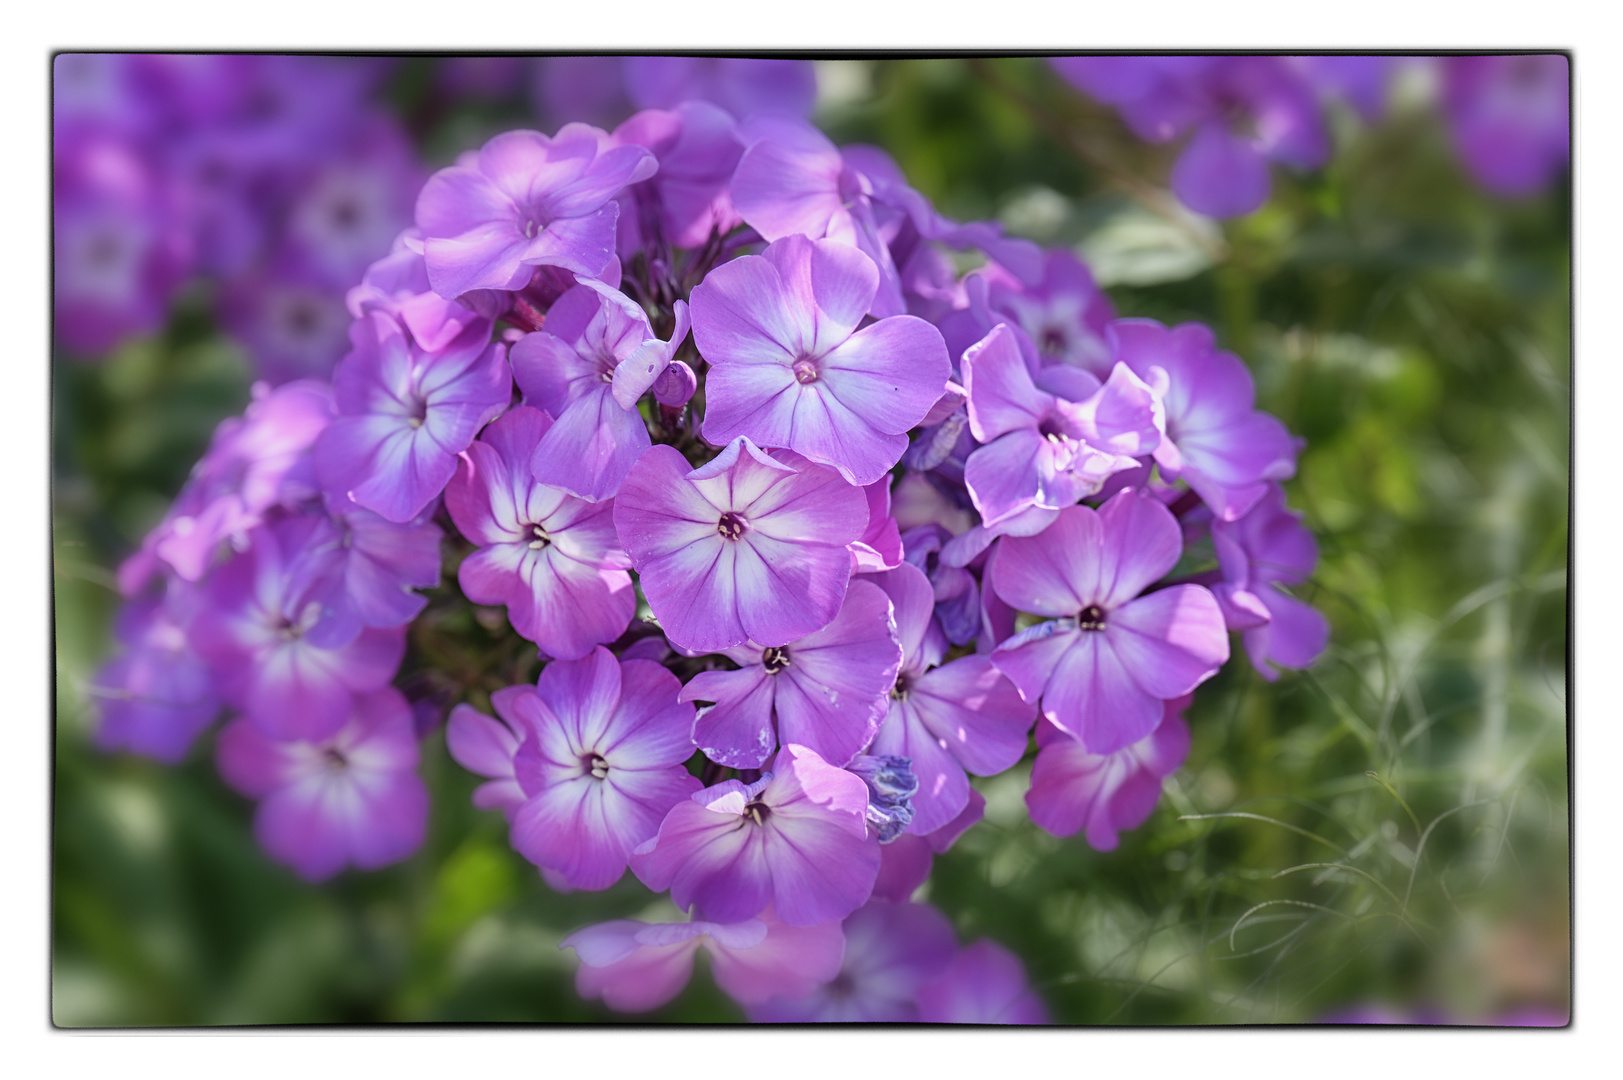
(891, 950)
(985, 984)
(634, 966)
(1509, 117)
(352, 797)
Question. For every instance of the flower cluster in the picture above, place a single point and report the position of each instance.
(270, 176)
(805, 526)
(1507, 115)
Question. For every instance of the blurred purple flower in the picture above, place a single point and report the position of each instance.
(1509, 118)
(351, 797)
(278, 649)
(158, 694)
(984, 984)
(891, 950)
(1245, 111)
(634, 966)
(741, 85)
(254, 462)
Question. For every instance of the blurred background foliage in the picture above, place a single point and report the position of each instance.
(1389, 828)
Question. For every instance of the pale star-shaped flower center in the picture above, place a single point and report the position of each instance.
(806, 371)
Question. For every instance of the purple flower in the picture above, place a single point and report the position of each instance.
(891, 950)
(985, 984)
(1048, 448)
(1216, 441)
(253, 463)
(598, 757)
(741, 85)
(116, 268)
(526, 201)
(744, 548)
(404, 414)
(157, 696)
(1508, 116)
(634, 966)
(1361, 81)
(945, 719)
(488, 747)
(687, 200)
(792, 181)
(797, 839)
(1107, 657)
(1065, 315)
(1245, 111)
(791, 369)
(552, 559)
(596, 357)
(1263, 550)
(378, 562)
(277, 647)
(1101, 795)
(352, 797)
(349, 212)
(397, 284)
(826, 691)
(292, 326)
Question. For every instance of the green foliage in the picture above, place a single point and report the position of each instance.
(1390, 826)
